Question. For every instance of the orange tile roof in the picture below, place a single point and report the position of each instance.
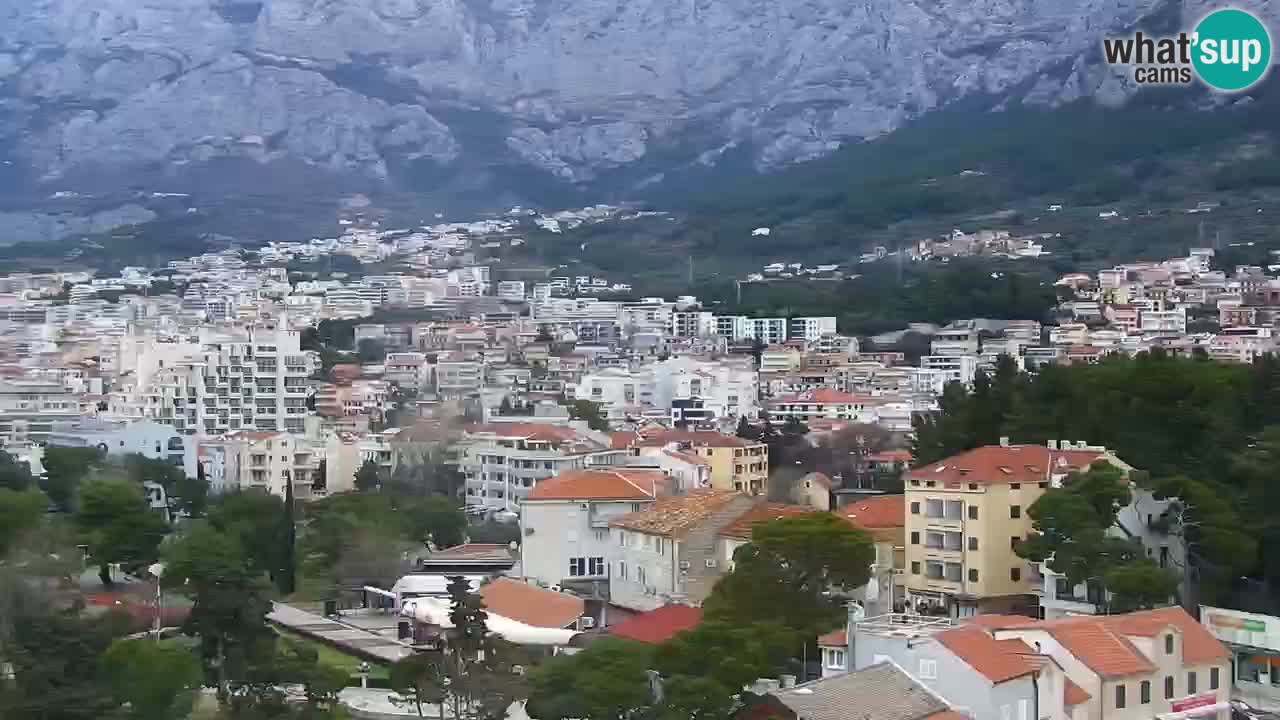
(688, 457)
(1199, 646)
(529, 604)
(827, 396)
(886, 511)
(762, 512)
(622, 440)
(660, 625)
(835, 638)
(676, 514)
(947, 715)
(699, 438)
(997, 464)
(997, 660)
(1073, 694)
(601, 484)
(1101, 650)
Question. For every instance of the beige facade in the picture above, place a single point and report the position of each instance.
(737, 464)
(965, 516)
(269, 461)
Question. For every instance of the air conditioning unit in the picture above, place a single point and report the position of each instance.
(586, 622)
(711, 562)
(684, 564)
(556, 588)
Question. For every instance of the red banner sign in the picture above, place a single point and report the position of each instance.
(1193, 702)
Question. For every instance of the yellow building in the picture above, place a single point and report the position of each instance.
(736, 464)
(966, 514)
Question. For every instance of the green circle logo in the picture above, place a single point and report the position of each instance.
(1232, 49)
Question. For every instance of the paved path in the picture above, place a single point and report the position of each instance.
(354, 640)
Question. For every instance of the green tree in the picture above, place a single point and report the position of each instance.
(118, 525)
(231, 601)
(64, 468)
(191, 493)
(609, 680)
(14, 475)
(371, 351)
(590, 412)
(1075, 531)
(254, 519)
(759, 649)
(368, 478)
(286, 575)
(54, 657)
(20, 512)
(420, 680)
(787, 573)
(150, 680)
(437, 519)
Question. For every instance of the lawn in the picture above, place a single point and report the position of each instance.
(336, 658)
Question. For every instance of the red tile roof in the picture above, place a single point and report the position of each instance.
(601, 484)
(697, 438)
(998, 464)
(676, 514)
(886, 511)
(531, 605)
(826, 396)
(1103, 644)
(658, 625)
(835, 638)
(762, 512)
(1073, 694)
(997, 660)
(622, 440)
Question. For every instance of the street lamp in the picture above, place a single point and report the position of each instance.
(157, 569)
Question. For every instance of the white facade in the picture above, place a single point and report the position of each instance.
(150, 439)
(810, 329)
(269, 461)
(569, 540)
(954, 368)
(256, 378)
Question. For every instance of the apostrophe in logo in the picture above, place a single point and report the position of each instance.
(1232, 50)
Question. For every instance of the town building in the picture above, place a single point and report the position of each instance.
(736, 464)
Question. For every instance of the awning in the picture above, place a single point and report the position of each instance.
(1195, 712)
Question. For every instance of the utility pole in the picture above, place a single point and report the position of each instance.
(691, 271)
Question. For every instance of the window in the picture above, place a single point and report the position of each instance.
(622, 570)
(1015, 511)
(835, 659)
(1015, 486)
(915, 508)
(1213, 678)
(915, 568)
(1015, 574)
(1144, 692)
(1168, 688)
(1119, 697)
(973, 512)
(1168, 644)
(577, 567)
(1044, 485)
(640, 575)
(915, 538)
(973, 486)
(595, 566)
(973, 575)
(973, 543)
(1013, 542)
(928, 669)
(1191, 682)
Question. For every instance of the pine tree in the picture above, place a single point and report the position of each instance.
(468, 638)
(367, 478)
(286, 574)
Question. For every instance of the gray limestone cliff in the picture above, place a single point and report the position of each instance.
(573, 87)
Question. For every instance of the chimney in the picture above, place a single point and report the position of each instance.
(1053, 444)
(787, 681)
(1004, 441)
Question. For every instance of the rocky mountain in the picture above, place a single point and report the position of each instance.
(578, 89)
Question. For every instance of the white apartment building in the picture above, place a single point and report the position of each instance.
(270, 461)
(810, 329)
(29, 409)
(513, 290)
(458, 376)
(502, 462)
(771, 331)
(693, 323)
(955, 341)
(565, 521)
(726, 388)
(409, 371)
(824, 404)
(254, 377)
(115, 437)
(1165, 322)
(955, 368)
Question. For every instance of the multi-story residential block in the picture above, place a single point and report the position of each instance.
(955, 341)
(270, 461)
(810, 329)
(511, 290)
(565, 522)
(29, 410)
(954, 368)
(667, 552)
(502, 462)
(824, 403)
(737, 464)
(967, 513)
(408, 371)
(1165, 322)
(694, 323)
(118, 437)
(254, 377)
(770, 331)
(780, 359)
(458, 375)
(360, 397)
(724, 388)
